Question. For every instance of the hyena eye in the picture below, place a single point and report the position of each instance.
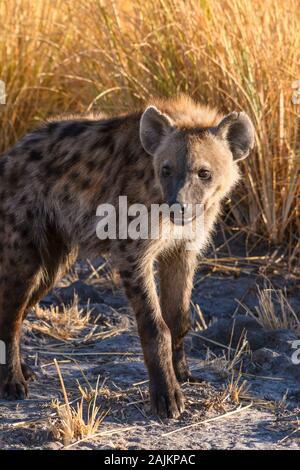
(166, 171)
(204, 174)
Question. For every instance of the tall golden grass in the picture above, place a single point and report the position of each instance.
(72, 56)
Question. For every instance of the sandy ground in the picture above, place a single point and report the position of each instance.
(263, 414)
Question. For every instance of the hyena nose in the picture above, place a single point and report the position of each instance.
(180, 207)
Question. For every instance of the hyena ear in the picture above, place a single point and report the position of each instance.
(154, 125)
(238, 130)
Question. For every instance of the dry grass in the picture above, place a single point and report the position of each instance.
(231, 359)
(199, 322)
(105, 275)
(75, 423)
(274, 310)
(236, 388)
(293, 427)
(66, 322)
(72, 56)
(73, 325)
(234, 391)
(286, 420)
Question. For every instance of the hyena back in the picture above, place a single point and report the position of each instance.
(52, 182)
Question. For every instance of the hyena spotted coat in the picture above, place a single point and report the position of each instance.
(53, 180)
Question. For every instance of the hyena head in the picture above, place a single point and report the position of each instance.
(195, 165)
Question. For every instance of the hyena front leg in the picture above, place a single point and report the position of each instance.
(165, 394)
(176, 272)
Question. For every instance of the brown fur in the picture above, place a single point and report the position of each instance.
(51, 183)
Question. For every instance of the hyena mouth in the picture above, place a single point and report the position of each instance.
(182, 220)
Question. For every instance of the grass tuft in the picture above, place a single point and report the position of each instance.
(274, 310)
(66, 322)
(76, 424)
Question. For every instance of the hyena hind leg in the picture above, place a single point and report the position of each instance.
(16, 287)
(55, 264)
(176, 271)
(54, 267)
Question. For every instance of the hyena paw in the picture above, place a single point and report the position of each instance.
(167, 402)
(28, 373)
(183, 374)
(13, 387)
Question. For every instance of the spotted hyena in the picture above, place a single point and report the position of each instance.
(53, 180)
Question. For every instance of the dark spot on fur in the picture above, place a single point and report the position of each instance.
(136, 290)
(132, 156)
(122, 246)
(91, 165)
(86, 184)
(52, 146)
(105, 138)
(29, 214)
(12, 262)
(16, 245)
(126, 273)
(127, 286)
(104, 188)
(31, 245)
(24, 232)
(11, 219)
(73, 129)
(103, 141)
(18, 284)
(67, 198)
(53, 171)
(74, 175)
(23, 199)
(52, 127)
(122, 186)
(75, 158)
(139, 174)
(2, 166)
(143, 296)
(46, 191)
(35, 155)
(66, 195)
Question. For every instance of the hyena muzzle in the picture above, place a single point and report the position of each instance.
(53, 180)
